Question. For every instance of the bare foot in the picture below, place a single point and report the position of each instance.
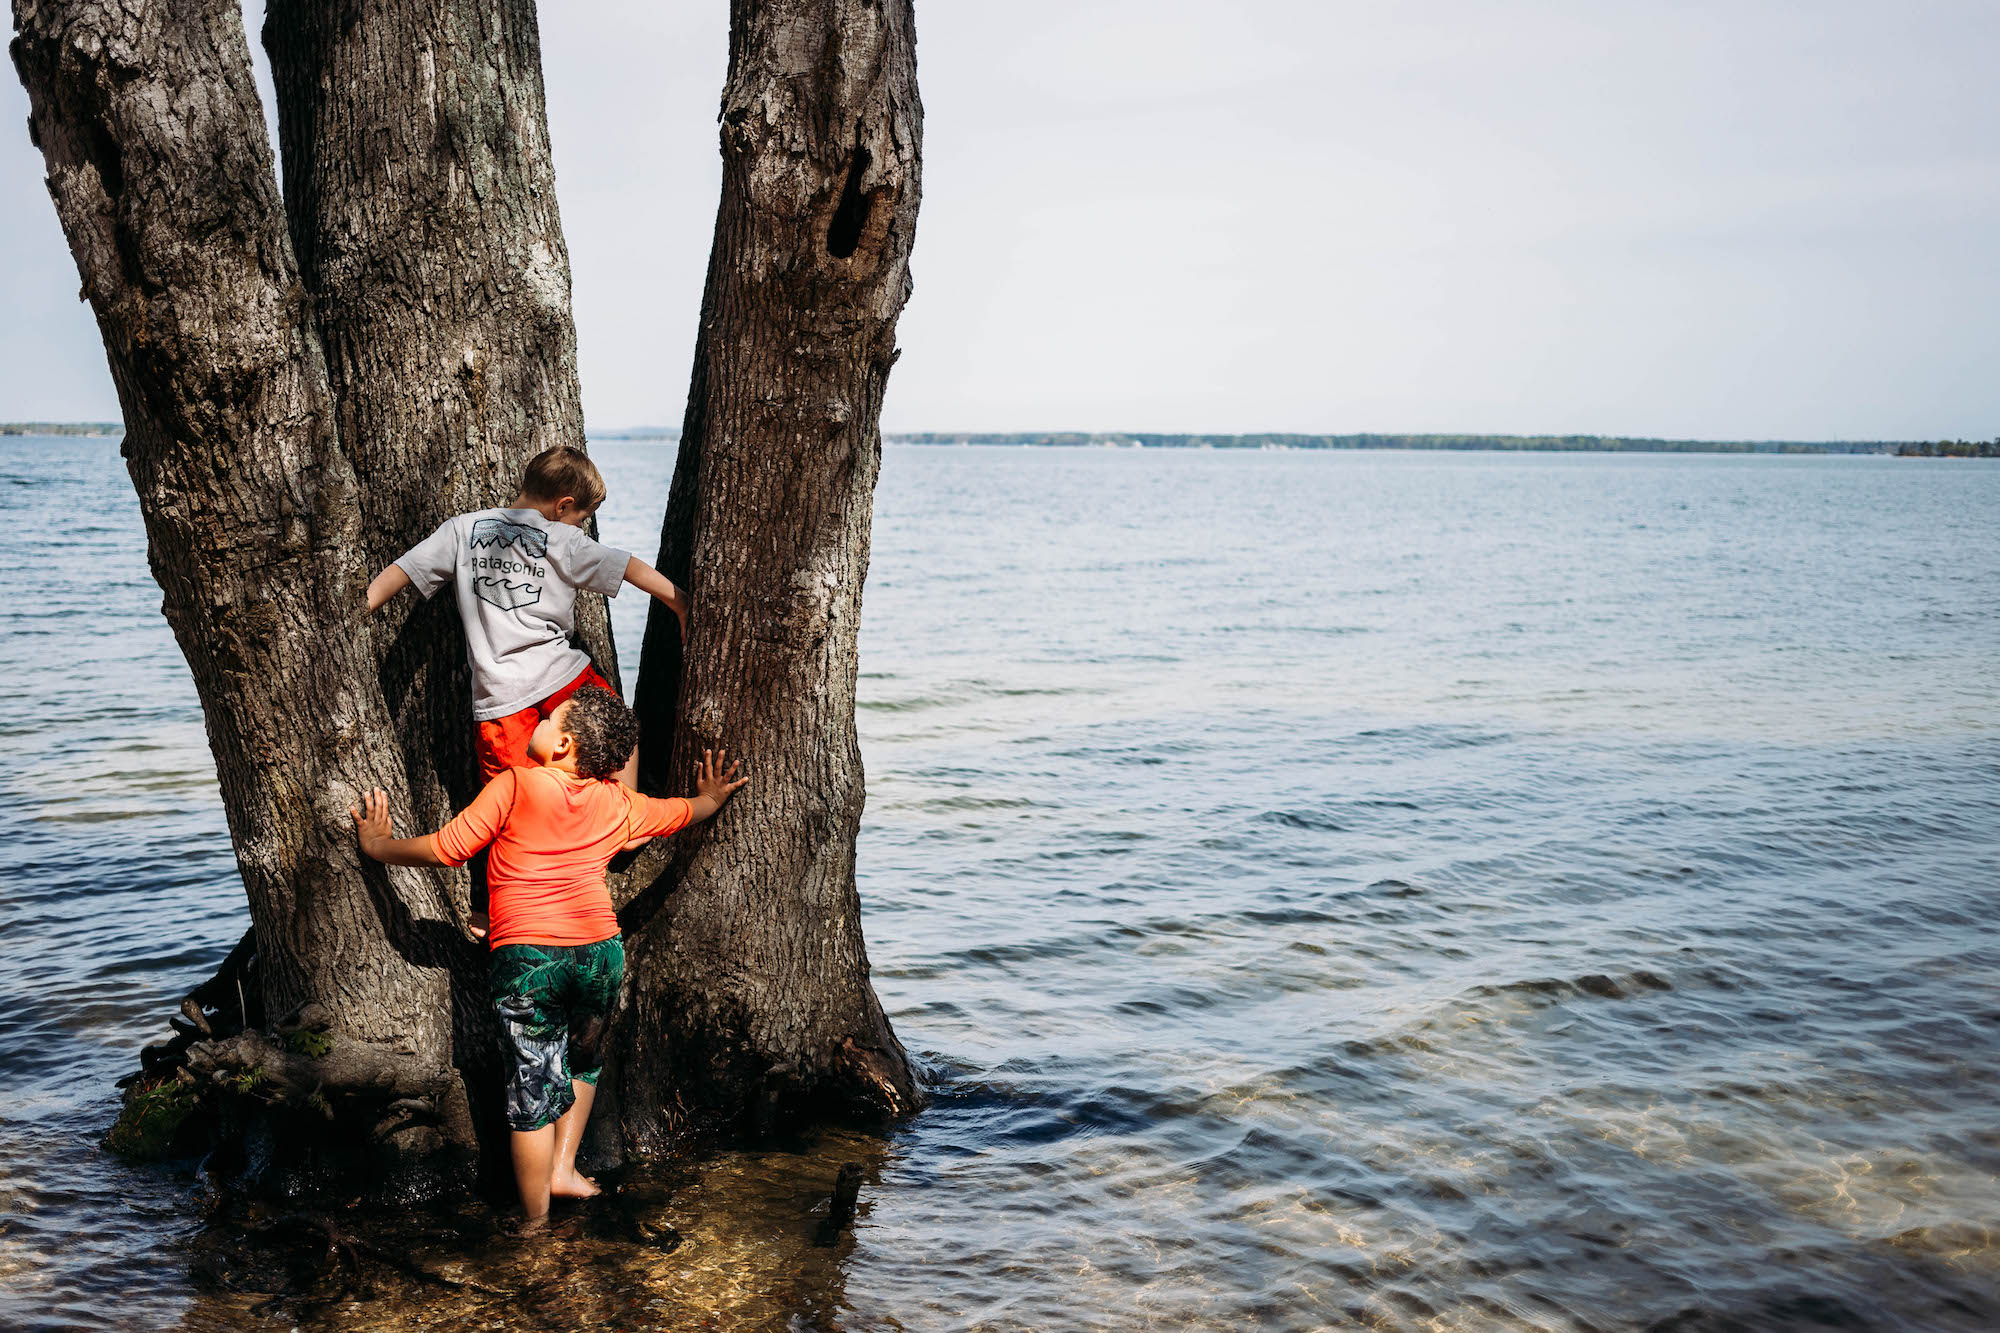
(573, 1186)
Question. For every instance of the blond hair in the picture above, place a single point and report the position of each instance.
(554, 473)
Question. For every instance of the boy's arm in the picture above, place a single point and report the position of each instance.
(425, 567)
(660, 588)
(653, 817)
(386, 585)
(372, 823)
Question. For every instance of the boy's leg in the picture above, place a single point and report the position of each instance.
(526, 982)
(597, 972)
(534, 1150)
(503, 743)
(564, 1182)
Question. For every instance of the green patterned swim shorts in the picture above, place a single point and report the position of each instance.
(554, 1001)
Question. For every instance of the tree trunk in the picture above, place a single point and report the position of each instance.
(752, 1003)
(161, 173)
(422, 202)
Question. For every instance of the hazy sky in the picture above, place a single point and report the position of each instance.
(1738, 218)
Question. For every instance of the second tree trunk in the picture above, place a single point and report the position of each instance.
(752, 1002)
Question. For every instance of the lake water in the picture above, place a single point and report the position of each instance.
(1324, 890)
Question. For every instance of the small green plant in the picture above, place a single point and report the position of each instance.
(313, 1045)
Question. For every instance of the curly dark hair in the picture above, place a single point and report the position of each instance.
(604, 730)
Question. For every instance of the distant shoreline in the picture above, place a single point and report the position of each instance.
(1601, 444)
(102, 429)
(1608, 444)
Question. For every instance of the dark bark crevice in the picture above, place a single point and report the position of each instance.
(850, 216)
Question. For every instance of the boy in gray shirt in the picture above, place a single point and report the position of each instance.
(516, 571)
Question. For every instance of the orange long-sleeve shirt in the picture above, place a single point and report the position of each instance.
(552, 833)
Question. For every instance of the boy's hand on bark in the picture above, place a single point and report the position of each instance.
(711, 782)
(371, 821)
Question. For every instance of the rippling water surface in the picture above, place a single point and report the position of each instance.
(1391, 891)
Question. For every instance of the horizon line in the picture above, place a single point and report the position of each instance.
(1068, 436)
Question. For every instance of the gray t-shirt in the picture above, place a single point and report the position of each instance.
(516, 575)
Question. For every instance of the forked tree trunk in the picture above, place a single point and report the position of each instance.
(752, 1002)
(421, 195)
(161, 173)
(289, 432)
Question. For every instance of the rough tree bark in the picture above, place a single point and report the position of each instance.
(162, 176)
(421, 195)
(752, 1004)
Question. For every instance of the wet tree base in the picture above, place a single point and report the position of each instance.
(158, 1123)
(246, 1145)
(293, 1112)
(333, 1192)
(744, 1239)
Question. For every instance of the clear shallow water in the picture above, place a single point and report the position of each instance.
(1327, 890)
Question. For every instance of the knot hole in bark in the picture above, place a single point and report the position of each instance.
(850, 216)
(101, 150)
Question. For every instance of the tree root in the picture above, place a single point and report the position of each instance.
(227, 994)
(218, 1052)
(301, 1066)
(305, 1069)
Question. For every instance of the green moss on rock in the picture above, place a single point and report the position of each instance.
(146, 1130)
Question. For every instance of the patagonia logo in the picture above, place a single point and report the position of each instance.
(524, 537)
(507, 596)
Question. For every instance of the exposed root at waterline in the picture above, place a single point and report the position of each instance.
(224, 1067)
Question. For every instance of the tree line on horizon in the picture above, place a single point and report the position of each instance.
(1520, 443)
(1950, 449)
(62, 428)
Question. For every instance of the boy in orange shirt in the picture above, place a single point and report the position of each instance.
(557, 959)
